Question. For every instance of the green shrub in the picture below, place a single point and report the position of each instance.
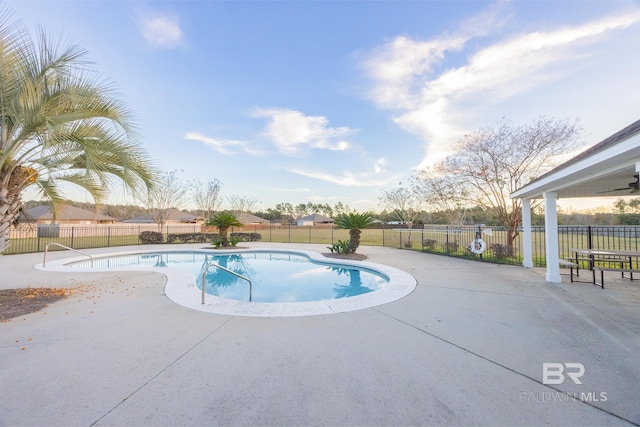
(234, 240)
(190, 237)
(502, 251)
(149, 237)
(340, 247)
(452, 246)
(247, 237)
(430, 243)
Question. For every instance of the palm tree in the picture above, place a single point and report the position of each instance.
(354, 222)
(59, 122)
(223, 221)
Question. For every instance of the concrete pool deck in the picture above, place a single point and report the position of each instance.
(466, 347)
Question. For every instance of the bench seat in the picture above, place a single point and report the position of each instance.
(603, 269)
(571, 265)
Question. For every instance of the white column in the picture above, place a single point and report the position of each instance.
(551, 237)
(527, 253)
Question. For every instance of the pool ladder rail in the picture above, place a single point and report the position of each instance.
(46, 250)
(213, 264)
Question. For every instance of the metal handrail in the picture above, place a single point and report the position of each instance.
(213, 264)
(46, 249)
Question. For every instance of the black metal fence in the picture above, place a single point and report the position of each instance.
(438, 239)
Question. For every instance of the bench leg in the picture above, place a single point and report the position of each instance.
(595, 280)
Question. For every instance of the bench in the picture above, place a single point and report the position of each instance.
(571, 265)
(603, 269)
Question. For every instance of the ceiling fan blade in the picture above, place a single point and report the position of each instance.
(633, 186)
(616, 189)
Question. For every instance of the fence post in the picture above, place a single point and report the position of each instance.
(72, 229)
(109, 236)
(590, 245)
(383, 235)
(446, 239)
(479, 236)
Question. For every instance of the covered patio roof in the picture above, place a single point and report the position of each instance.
(597, 172)
(609, 168)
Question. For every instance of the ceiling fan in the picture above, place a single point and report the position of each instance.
(633, 186)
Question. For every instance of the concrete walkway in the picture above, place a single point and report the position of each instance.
(467, 347)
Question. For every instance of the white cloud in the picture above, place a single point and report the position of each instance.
(289, 190)
(351, 179)
(438, 106)
(222, 146)
(292, 131)
(161, 30)
(401, 66)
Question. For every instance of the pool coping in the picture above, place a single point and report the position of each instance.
(181, 287)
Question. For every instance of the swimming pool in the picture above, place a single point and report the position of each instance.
(259, 276)
(283, 282)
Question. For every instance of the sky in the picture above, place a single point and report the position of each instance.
(339, 101)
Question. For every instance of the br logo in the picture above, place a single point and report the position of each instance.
(554, 373)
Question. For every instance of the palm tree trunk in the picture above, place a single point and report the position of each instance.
(354, 241)
(9, 211)
(12, 182)
(223, 235)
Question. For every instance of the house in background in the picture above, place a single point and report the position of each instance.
(65, 214)
(250, 219)
(315, 219)
(174, 216)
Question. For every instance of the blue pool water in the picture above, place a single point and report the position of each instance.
(275, 276)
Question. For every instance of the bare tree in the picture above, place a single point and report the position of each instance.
(494, 162)
(207, 196)
(404, 204)
(241, 203)
(170, 192)
(446, 194)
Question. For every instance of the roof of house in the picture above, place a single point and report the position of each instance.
(172, 215)
(64, 213)
(247, 218)
(316, 218)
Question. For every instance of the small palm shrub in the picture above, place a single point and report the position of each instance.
(354, 222)
(340, 247)
(223, 221)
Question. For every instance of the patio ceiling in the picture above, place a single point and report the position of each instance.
(596, 172)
